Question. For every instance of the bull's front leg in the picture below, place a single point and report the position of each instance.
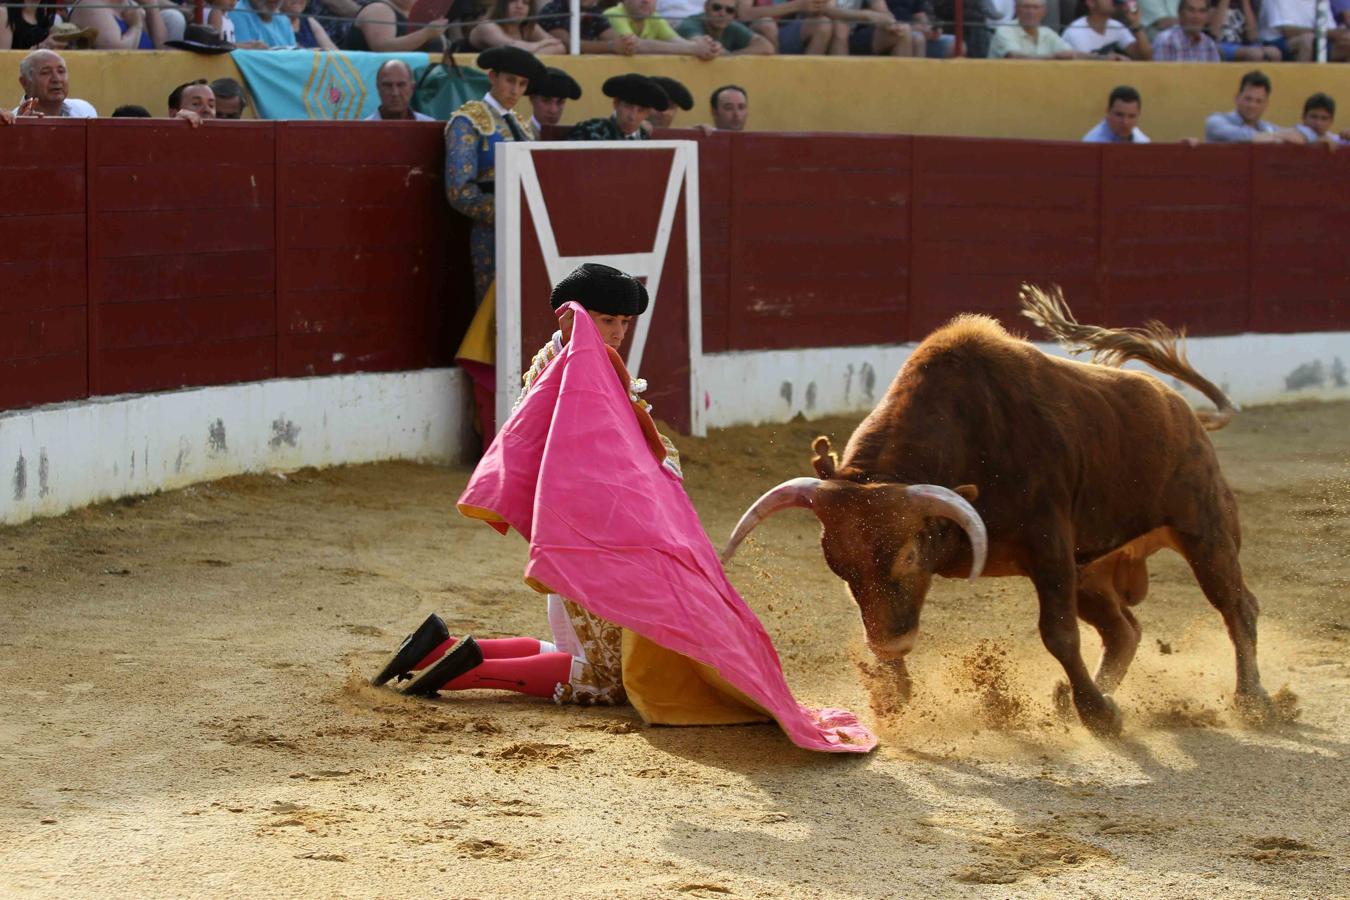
(1055, 578)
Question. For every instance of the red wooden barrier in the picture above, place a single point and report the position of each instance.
(368, 251)
(42, 264)
(139, 256)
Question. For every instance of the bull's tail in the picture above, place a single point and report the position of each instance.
(1154, 344)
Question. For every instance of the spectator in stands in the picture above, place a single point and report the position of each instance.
(1188, 41)
(730, 108)
(215, 14)
(1121, 124)
(792, 26)
(394, 82)
(977, 32)
(867, 28)
(337, 17)
(192, 102)
(505, 25)
(131, 111)
(306, 31)
(383, 26)
(1027, 39)
(1319, 114)
(928, 39)
(1098, 34)
(677, 12)
(46, 89)
(1288, 26)
(27, 26)
(718, 21)
(635, 96)
(549, 96)
(634, 29)
(555, 18)
(1158, 15)
(1338, 36)
(1232, 24)
(257, 25)
(1244, 124)
(129, 27)
(231, 101)
(680, 98)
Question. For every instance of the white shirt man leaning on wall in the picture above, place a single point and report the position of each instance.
(1121, 123)
(46, 86)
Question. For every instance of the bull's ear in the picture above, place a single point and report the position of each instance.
(969, 492)
(824, 460)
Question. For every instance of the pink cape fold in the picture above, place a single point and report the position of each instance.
(612, 529)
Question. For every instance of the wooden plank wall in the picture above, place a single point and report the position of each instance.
(43, 266)
(146, 255)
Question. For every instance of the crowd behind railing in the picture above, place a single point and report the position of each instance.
(1122, 30)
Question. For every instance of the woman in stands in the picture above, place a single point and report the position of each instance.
(129, 27)
(383, 26)
(505, 26)
(309, 34)
(26, 27)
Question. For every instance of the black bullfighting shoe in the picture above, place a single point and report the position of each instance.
(463, 657)
(415, 647)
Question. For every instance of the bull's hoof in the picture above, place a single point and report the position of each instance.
(1103, 722)
(1256, 708)
(1062, 698)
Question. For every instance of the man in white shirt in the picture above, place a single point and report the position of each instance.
(1121, 124)
(394, 82)
(1102, 36)
(1289, 25)
(1027, 39)
(46, 85)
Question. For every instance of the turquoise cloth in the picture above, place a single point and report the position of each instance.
(310, 84)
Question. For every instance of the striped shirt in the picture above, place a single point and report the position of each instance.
(1174, 45)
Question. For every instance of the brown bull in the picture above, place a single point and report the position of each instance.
(986, 456)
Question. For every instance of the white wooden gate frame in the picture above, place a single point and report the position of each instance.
(515, 174)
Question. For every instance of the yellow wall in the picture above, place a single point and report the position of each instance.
(988, 98)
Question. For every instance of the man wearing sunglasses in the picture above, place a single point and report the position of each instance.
(718, 22)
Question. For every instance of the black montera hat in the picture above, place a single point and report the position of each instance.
(678, 93)
(602, 289)
(638, 90)
(555, 83)
(513, 60)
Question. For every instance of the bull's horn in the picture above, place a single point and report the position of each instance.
(935, 500)
(794, 492)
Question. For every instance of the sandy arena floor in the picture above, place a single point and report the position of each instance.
(183, 711)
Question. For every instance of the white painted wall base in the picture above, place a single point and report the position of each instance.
(60, 457)
(56, 458)
(746, 388)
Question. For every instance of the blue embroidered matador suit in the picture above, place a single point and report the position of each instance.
(471, 140)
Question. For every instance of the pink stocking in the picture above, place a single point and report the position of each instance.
(537, 675)
(493, 648)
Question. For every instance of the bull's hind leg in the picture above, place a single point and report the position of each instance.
(1214, 560)
(1104, 610)
(1054, 575)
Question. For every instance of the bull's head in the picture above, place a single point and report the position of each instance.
(884, 540)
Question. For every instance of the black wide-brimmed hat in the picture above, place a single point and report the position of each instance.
(555, 83)
(201, 39)
(602, 289)
(513, 60)
(638, 90)
(678, 93)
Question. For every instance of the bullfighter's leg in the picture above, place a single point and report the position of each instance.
(1054, 576)
(1214, 560)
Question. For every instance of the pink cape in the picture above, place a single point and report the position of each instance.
(613, 530)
